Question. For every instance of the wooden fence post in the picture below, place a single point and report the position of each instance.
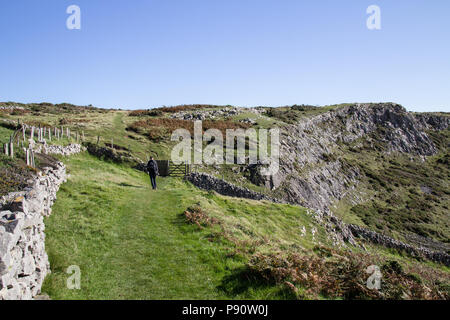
(11, 150)
(33, 164)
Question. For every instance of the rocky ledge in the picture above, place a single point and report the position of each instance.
(23, 260)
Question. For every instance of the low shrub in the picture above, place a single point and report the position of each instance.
(343, 275)
(161, 128)
(196, 215)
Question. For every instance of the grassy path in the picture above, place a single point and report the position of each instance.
(130, 242)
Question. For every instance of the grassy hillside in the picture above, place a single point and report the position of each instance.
(183, 243)
(404, 196)
(134, 243)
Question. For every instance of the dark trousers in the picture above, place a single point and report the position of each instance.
(153, 179)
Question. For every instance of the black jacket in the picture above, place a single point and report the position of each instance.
(152, 167)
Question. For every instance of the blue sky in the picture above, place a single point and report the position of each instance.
(146, 53)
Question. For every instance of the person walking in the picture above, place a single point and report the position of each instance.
(152, 168)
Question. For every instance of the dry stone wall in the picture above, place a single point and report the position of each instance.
(208, 182)
(389, 242)
(23, 260)
(71, 149)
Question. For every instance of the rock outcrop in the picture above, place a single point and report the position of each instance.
(207, 114)
(311, 173)
(23, 260)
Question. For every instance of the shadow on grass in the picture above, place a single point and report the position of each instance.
(242, 281)
(124, 184)
(239, 282)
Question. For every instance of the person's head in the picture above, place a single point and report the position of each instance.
(151, 158)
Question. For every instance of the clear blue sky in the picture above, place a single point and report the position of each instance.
(146, 53)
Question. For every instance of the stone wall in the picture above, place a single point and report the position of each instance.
(43, 147)
(62, 150)
(23, 260)
(389, 242)
(208, 182)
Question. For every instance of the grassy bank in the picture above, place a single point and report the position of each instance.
(183, 243)
(134, 243)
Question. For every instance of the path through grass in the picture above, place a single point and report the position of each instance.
(133, 243)
(125, 238)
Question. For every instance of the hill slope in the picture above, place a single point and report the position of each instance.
(182, 243)
(373, 165)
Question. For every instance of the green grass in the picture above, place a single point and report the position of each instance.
(134, 243)
(392, 186)
(4, 135)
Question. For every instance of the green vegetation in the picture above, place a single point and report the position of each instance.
(183, 243)
(407, 196)
(294, 113)
(132, 243)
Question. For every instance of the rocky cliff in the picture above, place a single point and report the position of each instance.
(309, 164)
(346, 152)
